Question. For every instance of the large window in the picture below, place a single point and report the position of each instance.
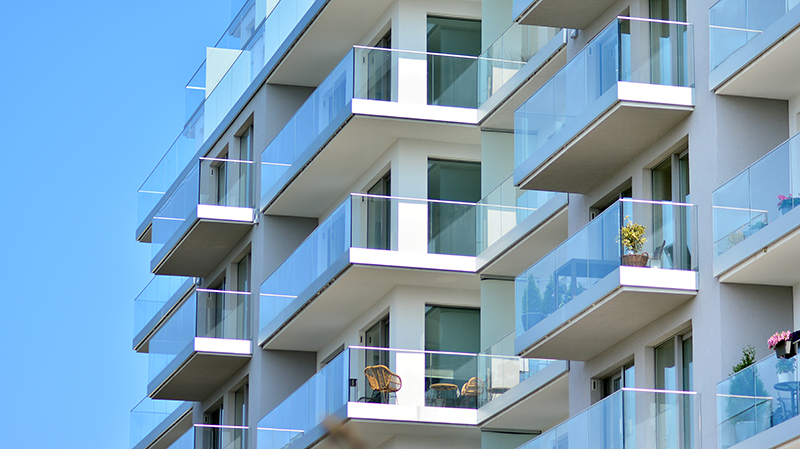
(452, 222)
(452, 81)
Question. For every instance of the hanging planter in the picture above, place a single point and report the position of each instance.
(782, 343)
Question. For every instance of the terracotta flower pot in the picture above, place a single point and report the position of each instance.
(635, 260)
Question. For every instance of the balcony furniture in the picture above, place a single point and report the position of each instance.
(471, 391)
(442, 395)
(655, 260)
(383, 381)
(793, 387)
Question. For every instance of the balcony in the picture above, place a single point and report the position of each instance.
(528, 226)
(199, 346)
(513, 68)
(624, 90)
(264, 38)
(630, 418)
(369, 245)
(154, 303)
(437, 388)
(574, 14)
(754, 47)
(754, 404)
(158, 422)
(756, 221)
(372, 98)
(580, 299)
(205, 436)
(201, 221)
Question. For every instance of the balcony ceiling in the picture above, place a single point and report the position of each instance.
(604, 146)
(349, 154)
(326, 40)
(199, 376)
(201, 248)
(539, 411)
(773, 74)
(577, 14)
(771, 263)
(357, 289)
(375, 433)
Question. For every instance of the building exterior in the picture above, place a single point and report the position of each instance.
(404, 224)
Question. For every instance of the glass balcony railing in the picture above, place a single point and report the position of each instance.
(147, 415)
(628, 50)
(371, 74)
(393, 224)
(252, 41)
(733, 23)
(421, 378)
(212, 181)
(630, 418)
(596, 251)
(755, 399)
(206, 314)
(150, 302)
(508, 54)
(758, 196)
(202, 436)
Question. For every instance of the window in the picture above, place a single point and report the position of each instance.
(379, 218)
(451, 329)
(245, 188)
(670, 182)
(451, 80)
(674, 371)
(451, 223)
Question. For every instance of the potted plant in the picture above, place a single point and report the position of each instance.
(787, 203)
(632, 238)
(782, 343)
(785, 370)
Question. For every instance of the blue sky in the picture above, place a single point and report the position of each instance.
(91, 98)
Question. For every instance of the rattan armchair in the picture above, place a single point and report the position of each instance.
(383, 381)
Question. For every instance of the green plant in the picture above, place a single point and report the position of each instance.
(632, 236)
(748, 358)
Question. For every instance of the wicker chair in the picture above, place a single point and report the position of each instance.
(471, 391)
(383, 381)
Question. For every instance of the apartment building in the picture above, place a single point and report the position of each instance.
(484, 224)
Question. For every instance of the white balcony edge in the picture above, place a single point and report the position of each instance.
(224, 213)
(404, 259)
(222, 346)
(412, 413)
(655, 93)
(436, 113)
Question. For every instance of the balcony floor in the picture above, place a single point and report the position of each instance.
(594, 145)
(308, 190)
(200, 369)
(204, 240)
(354, 284)
(612, 309)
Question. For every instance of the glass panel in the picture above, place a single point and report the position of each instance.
(595, 251)
(220, 437)
(753, 199)
(733, 23)
(632, 50)
(149, 414)
(150, 302)
(600, 426)
(207, 313)
(508, 54)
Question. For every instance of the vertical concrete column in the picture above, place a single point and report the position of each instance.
(497, 311)
(796, 307)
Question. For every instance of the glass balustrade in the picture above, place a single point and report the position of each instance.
(597, 250)
(150, 302)
(213, 182)
(213, 436)
(629, 49)
(206, 314)
(393, 224)
(630, 418)
(149, 414)
(757, 398)
(733, 23)
(367, 73)
(505, 207)
(508, 54)
(416, 378)
(252, 40)
(756, 197)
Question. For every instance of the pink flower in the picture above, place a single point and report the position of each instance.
(778, 338)
(783, 198)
